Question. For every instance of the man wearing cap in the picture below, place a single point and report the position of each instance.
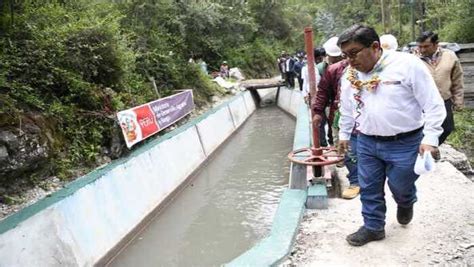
(388, 42)
(394, 104)
(333, 55)
(328, 95)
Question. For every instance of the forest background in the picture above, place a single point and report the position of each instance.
(66, 67)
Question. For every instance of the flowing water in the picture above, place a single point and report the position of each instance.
(229, 205)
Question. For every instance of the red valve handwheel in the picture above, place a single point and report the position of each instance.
(328, 156)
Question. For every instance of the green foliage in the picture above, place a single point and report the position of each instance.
(463, 137)
(453, 19)
(256, 59)
(79, 62)
(73, 64)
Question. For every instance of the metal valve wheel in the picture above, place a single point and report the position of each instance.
(320, 156)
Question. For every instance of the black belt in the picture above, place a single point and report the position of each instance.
(395, 137)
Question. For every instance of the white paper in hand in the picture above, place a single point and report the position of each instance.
(424, 163)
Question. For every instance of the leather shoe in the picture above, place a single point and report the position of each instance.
(351, 192)
(364, 236)
(404, 215)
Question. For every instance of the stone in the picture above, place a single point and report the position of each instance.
(9, 139)
(25, 154)
(3, 153)
(236, 73)
(458, 159)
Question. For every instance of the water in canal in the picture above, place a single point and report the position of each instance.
(230, 203)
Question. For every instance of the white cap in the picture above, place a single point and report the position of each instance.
(388, 42)
(331, 47)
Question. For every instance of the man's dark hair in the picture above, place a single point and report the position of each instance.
(432, 36)
(359, 34)
(319, 52)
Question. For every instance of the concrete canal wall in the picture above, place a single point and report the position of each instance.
(82, 223)
(275, 247)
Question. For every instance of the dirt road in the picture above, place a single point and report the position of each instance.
(441, 233)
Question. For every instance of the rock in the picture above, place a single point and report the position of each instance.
(32, 128)
(9, 139)
(3, 153)
(116, 143)
(236, 73)
(24, 151)
(458, 159)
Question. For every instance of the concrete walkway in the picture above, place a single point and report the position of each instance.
(441, 233)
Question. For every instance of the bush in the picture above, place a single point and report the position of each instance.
(256, 59)
(463, 137)
(79, 62)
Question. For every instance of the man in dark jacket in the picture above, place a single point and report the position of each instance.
(297, 69)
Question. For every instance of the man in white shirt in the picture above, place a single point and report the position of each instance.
(383, 97)
(305, 77)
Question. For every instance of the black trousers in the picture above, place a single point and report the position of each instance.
(448, 123)
(290, 79)
(300, 82)
(322, 131)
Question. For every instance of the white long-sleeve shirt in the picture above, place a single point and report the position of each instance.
(406, 90)
(305, 77)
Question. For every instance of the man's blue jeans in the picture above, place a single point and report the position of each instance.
(350, 161)
(379, 159)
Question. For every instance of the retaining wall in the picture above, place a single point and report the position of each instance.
(81, 223)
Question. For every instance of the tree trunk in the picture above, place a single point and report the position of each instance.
(400, 23)
(382, 6)
(386, 16)
(413, 4)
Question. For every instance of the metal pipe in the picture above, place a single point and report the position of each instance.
(308, 40)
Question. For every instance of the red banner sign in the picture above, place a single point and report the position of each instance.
(143, 121)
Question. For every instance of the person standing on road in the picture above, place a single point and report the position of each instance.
(299, 64)
(328, 96)
(446, 69)
(391, 101)
(290, 75)
(305, 78)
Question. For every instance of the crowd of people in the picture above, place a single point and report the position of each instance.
(382, 108)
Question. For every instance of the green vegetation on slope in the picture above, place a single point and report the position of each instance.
(66, 67)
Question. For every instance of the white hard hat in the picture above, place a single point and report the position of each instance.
(331, 47)
(388, 42)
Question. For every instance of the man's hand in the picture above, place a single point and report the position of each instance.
(427, 148)
(458, 108)
(343, 147)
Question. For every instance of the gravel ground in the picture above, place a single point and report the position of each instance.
(441, 233)
(30, 196)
